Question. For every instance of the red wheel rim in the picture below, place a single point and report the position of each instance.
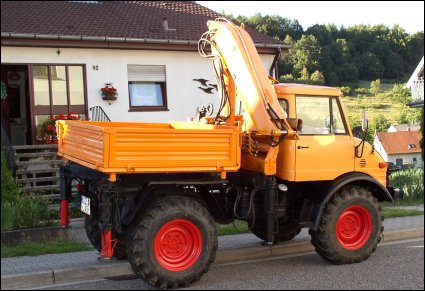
(178, 245)
(354, 227)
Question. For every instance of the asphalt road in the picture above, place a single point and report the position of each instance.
(394, 265)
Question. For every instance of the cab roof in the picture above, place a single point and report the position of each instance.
(302, 89)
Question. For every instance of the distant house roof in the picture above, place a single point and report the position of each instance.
(115, 21)
(403, 142)
(404, 127)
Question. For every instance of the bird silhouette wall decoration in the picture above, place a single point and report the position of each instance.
(207, 88)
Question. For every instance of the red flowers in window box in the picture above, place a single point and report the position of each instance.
(47, 133)
(109, 92)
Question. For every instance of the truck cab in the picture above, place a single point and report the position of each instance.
(325, 148)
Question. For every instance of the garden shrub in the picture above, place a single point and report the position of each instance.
(9, 189)
(19, 210)
(346, 90)
(410, 182)
(7, 216)
(31, 211)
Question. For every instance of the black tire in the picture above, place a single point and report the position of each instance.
(284, 232)
(94, 234)
(167, 229)
(350, 228)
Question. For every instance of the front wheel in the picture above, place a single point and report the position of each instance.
(174, 243)
(350, 228)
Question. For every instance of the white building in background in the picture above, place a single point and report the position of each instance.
(416, 85)
(404, 127)
(56, 56)
(400, 148)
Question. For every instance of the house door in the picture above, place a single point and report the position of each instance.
(57, 89)
(15, 107)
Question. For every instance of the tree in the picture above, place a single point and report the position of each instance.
(381, 124)
(400, 94)
(344, 54)
(317, 77)
(305, 75)
(332, 79)
(375, 86)
(349, 73)
(306, 53)
(370, 66)
(272, 25)
(421, 142)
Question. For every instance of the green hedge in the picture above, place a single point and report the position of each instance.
(411, 182)
(17, 209)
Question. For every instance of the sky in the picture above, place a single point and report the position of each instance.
(408, 14)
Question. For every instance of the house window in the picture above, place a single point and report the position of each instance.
(57, 89)
(147, 88)
(399, 162)
(415, 161)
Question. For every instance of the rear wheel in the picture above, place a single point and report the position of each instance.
(350, 228)
(174, 243)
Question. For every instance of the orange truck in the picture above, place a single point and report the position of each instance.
(284, 160)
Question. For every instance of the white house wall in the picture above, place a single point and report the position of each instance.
(380, 149)
(108, 65)
(407, 158)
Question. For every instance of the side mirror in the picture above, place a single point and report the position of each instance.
(364, 121)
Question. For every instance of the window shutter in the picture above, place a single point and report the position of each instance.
(146, 73)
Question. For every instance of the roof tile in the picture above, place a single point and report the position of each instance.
(126, 19)
(398, 142)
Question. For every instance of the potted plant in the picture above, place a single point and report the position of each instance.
(47, 133)
(109, 92)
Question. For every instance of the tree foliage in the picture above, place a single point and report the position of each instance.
(343, 54)
(381, 124)
(422, 131)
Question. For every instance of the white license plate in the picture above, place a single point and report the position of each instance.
(85, 204)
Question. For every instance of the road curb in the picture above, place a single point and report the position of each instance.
(122, 268)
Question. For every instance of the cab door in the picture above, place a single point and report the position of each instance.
(325, 149)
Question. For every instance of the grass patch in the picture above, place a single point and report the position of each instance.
(398, 212)
(403, 202)
(49, 247)
(236, 228)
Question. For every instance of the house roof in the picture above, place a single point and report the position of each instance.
(119, 21)
(402, 142)
(406, 127)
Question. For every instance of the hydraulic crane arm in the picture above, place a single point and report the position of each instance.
(244, 75)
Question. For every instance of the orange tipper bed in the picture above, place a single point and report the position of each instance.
(122, 147)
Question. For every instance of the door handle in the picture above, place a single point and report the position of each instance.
(301, 147)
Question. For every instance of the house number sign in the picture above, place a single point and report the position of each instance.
(95, 68)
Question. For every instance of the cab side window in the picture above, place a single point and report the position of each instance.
(315, 114)
(320, 115)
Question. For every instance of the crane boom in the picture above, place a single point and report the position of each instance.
(242, 66)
